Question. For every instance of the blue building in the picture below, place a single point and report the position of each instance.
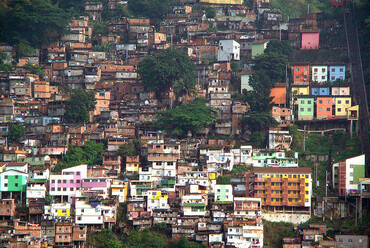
(337, 72)
(320, 91)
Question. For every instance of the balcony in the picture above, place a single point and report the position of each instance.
(260, 195)
(259, 187)
(259, 179)
(194, 204)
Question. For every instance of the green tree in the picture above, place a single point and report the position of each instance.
(258, 139)
(223, 179)
(32, 20)
(89, 154)
(161, 71)
(259, 121)
(280, 47)
(153, 9)
(103, 239)
(191, 117)
(78, 107)
(35, 69)
(183, 242)
(185, 86)
(272, 64)
(210, 13)
(5, 66)
(16, 131)
(131, 148)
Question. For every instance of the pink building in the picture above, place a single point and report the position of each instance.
(66, 184)
(310, 39)
(98, 186)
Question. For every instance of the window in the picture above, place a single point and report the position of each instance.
(309, 109)
(59, 181)
(339, 101)
(304, 69)
(59, 189)
(301, 109)
(323, 77)
(315, 70)
(339, 109)
(328, 101)
(320, 109)
(320, 101)
(64, 189)
(16, 177)
(296, 69)
(327, 109)
(71, 181)
(309, 102)
(64, 181)
(5, 185)
(347, 101)
(341, 69)
(78, 173)
(52, 189)
(323, 70)
(349, 240)
(6, 177)
(78, 181)
(16, 185)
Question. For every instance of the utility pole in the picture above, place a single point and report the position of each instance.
(304, 138)
(280, 29)
(326, 195)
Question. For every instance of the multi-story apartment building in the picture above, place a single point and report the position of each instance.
(157, 199)
(346, 174)
(163, 158)
(282, 189)
(272, 158)
(68, 182)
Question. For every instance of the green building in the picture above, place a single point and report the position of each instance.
(305, 108)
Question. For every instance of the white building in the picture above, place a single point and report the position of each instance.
(228, 50)
(58, 210)
(246, 153)
(194, 205)
(218, 159)
(157, 200)
(66, 184)
(35, 191)
(319, 73)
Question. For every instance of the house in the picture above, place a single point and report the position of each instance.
(157, 199)
(12, 180)
(228, 50)
(278, 92)
(223, 193)
(352, 240)
(340, 90)
(258, 47)
(248, 207)
(119, 189)
(132, 164)
(58, 210)
(7, 208)
(337, 72)
(301, 73)
(194, 205)
(305, 108)
(310, 39)
(272, 158)
(324, 107)
(282, 115)
(341, 105)
(319, 73)
(346, 174)
(279, 140)
(320, 90)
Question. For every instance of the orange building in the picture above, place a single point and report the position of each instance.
(301, 73)
(324, 107)
(279, 94)
(41, 90)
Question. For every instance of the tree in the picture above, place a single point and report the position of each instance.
(257, 139)
(191, 117)
(34, 21)
(16, 131)
(272, 64)
(78, 107)
(183, 242)
(210, 13)
(280, 47)
(35, 69)
(161, 71)
(185, 86)
(103, 239)
(4, 66)
(259, 121)
(153, 9)
(223, 179)
(89, 154)
(131, 148)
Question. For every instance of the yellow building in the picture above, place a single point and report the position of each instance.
(230, 2)
(341, 105)
(119, 189)
(132, 164)
(352, 113)
(300, 90)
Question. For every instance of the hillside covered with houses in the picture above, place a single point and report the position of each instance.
(183, 123)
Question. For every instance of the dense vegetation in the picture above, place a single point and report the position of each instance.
(294, 9)
(16, 132)
(190, 117)
(274, 232)
(78, 107)
(156, 237)
(31, 22)
(89, 154)
(167, 69)
(153, 9)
